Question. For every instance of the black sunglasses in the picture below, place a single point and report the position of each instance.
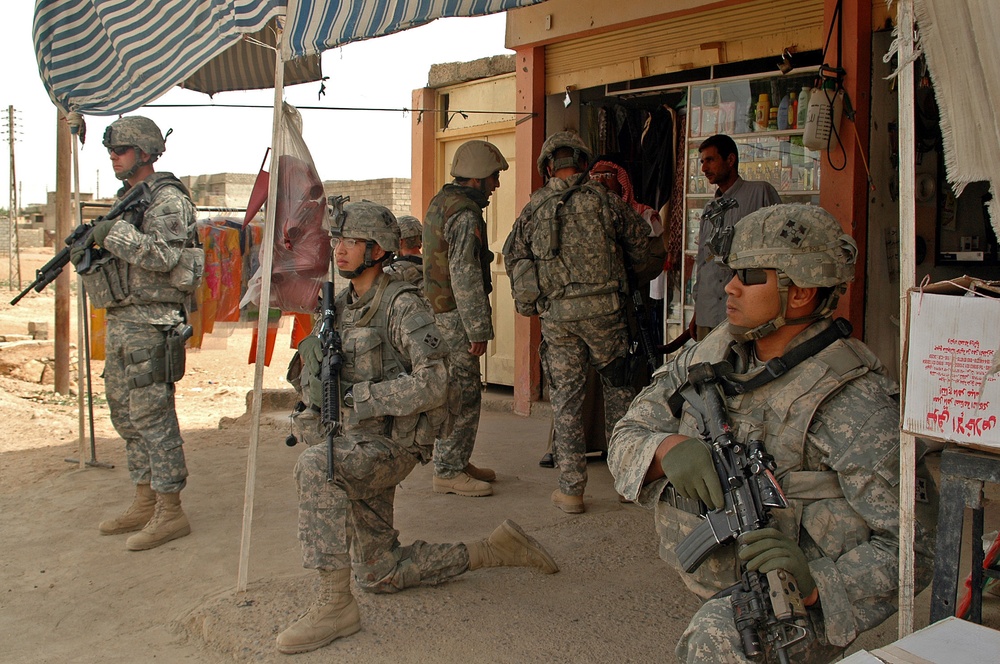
(752, 276)
(119, 149)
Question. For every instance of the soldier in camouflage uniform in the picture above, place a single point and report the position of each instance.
(828, 415)
(393, 375)
(408, 265)
(143, 279)
(457, 283)
(567, 257)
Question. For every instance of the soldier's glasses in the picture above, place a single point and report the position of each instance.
(119, 149)
(348, 242)
(752, 276)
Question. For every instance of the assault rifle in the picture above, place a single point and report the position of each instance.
(333, 359)
(642, 341)
(136, 197)
(767, 608)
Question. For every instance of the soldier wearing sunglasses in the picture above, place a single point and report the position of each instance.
(791, 377)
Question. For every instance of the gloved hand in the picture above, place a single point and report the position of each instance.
(311, 352)
(76, 253)
(101, 230)
(688, 465)
(769, 549)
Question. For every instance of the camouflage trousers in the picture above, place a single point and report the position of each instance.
(569, 348)
(348, 522)
(712, 637)
(145, 417)
(452, 454)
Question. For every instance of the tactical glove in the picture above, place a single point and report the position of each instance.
(311, 352)
(101, 230)
(688, 465)
(769, 549)
(76, 253)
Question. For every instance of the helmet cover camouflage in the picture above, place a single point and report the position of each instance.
(564, 139)
(409, 227)
(369, 221)
(477, 159)
(137, 131)
(805, 242)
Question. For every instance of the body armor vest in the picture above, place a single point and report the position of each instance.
(451, 200)
(370, 356)
(781, 417)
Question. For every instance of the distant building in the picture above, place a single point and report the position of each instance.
(394, 193)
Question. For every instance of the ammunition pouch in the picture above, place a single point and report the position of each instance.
(524, 287)
(582, 307)
(187, 274)
(166, 361)
(106, 282)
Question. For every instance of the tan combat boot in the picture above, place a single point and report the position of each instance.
(168, 523)
(462, 485)
(333, 616)
(509, 546)
(481, 474)
(567, 503)
(135, 517)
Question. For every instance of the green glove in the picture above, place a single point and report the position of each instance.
(101, 230)
(688, 465)
(311, 352)
(769, 549)
(76, 253)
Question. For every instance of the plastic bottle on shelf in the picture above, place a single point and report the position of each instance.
(793, 110)
(803, 107)
(782, 119)
(763, 112)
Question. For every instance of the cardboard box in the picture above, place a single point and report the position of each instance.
(951, 388)
(950, 641)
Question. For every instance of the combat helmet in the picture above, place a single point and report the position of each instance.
(807, 247)
(370, 222)
(477, 159)
(136, 131)
(409, 227)
(564, 139)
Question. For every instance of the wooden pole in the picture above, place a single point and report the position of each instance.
(907, 277)
(64, 221)
(265, 297)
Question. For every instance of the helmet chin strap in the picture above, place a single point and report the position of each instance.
(367, 263)
(135, 166)
(741, 333)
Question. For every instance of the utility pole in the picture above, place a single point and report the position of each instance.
(13, 254)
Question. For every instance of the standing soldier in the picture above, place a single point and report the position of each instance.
(393, 377)
(567, 257)
(457, 283)
(408, 265)
(143, 276)
(828, 416)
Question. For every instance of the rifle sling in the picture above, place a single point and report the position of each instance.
(774, 368)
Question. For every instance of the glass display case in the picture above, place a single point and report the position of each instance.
(765, 116)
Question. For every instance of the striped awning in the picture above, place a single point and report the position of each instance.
(106, 57)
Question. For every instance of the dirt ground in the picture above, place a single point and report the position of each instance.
(69, 594)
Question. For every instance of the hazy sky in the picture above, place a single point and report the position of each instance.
(346, 145)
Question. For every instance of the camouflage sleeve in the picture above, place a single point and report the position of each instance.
(516, 247)
(464, 248)
(157, 246)
(415, 337)
(633, 233)
(638, 434)
(858, 584)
